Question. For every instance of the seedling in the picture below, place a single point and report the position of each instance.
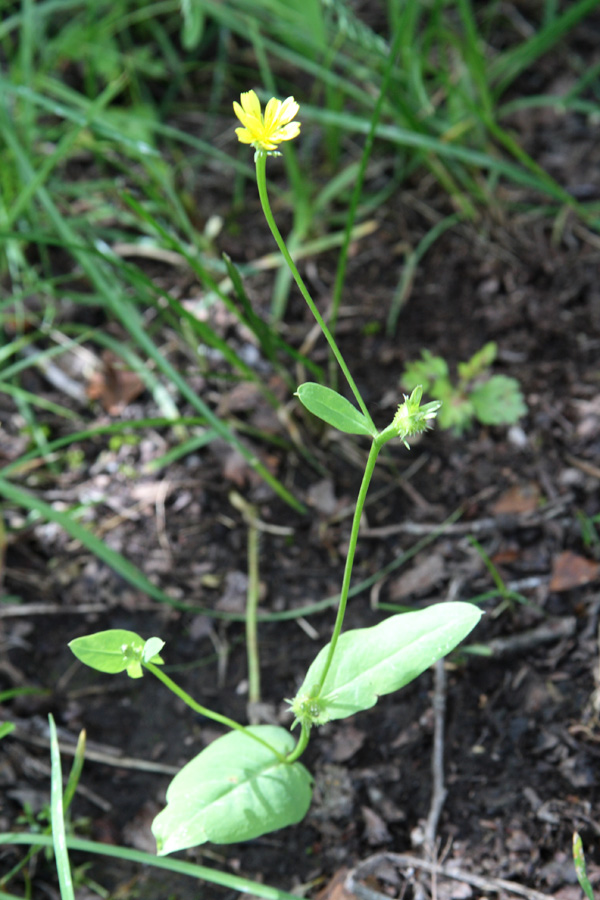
(580, 870)
(477, 394)
(589, 532)
(250, 781)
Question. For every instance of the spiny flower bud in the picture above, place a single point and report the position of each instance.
(412, 418)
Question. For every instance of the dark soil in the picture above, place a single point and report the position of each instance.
(522, 739)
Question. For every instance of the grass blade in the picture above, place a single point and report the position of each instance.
(123, 567)
(122, 309)
(177, 866)
(59, 837)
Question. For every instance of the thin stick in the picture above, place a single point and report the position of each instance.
(406, 861)
(439, 792)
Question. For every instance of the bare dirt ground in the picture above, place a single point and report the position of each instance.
(522, 736)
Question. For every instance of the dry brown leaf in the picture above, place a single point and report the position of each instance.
(321, 496)
(235, 467)
(569, 570)
(519, 499)
(423, 576)
(114, 386)
(335, 889)
(347, 741)
(241, 398)
(376, 831)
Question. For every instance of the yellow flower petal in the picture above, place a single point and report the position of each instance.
(267, 132)
(289, 109)
(251, 104)
(244, 136)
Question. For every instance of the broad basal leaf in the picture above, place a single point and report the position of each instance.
(334, 409)
(369, 662)
(234, 790)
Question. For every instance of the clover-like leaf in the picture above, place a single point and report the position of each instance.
(498, 401)
(236, 789)
(425, 371)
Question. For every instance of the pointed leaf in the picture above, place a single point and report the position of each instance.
(234, 790)
(479, 362)
(334, 409)
(369, 662)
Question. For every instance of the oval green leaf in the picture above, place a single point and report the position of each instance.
(111, 651)
(369, 662)
(334, 409)
(234, 790)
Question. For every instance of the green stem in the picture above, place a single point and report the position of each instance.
(301, 745)
(261, 180)
(251, 613)
(376, 446)
(209, 713)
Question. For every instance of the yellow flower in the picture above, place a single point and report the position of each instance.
(266, 133)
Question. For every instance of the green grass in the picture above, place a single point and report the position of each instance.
(115, 117)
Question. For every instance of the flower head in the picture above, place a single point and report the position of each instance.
(266, 132)
(412, 418)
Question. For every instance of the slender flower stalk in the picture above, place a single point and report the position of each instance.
(411, 419)
(265, 133)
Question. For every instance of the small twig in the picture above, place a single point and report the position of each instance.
(43, 769)
(546, 633)
(17, 610)
(56, 376)
(476, 526)
(404, 860)
(108, 759)
(439, 792)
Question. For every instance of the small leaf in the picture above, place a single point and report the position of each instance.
(334, 409)
(234, 790)
(580, 870)
(425, 371)
(6, 728)
(498, 401)
(192, 28)
(134, 669)
(151, 651)
(111, 651)
(478, 363)
(570, 570)
(457, 410)
(369, 662)
(113, 385)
